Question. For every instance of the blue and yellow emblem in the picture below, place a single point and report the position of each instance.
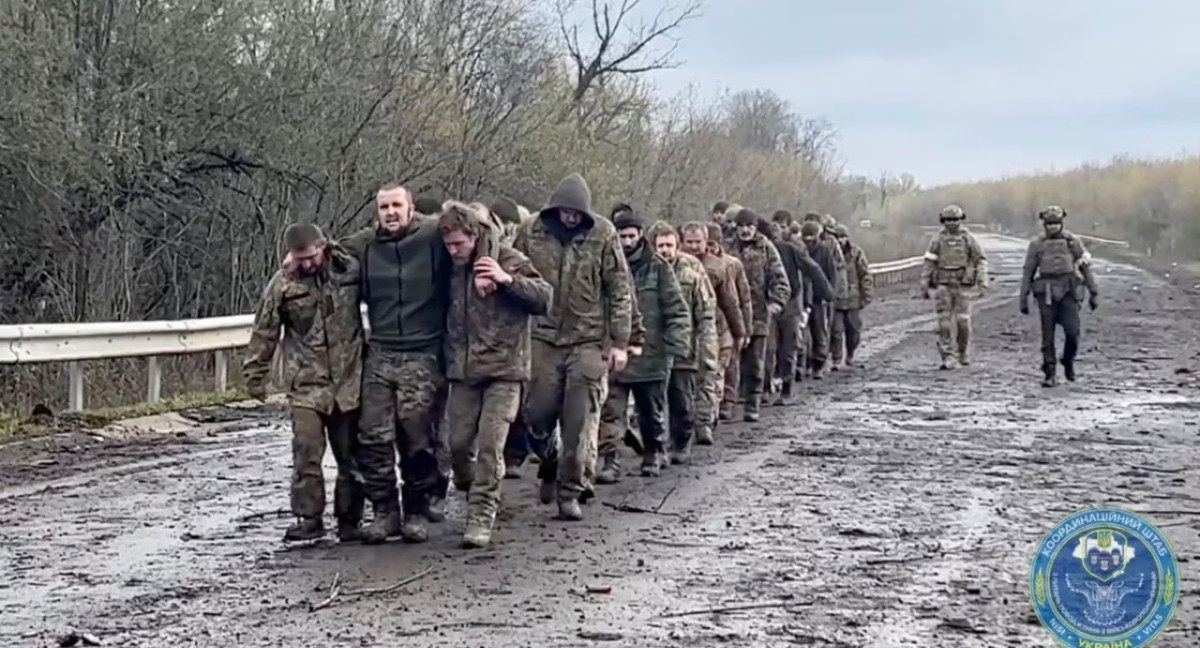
(1105, 578)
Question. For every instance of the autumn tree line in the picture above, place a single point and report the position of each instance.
(152, 152)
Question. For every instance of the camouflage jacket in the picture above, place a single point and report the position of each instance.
(487, 338)
(859, 282)
(322, 342)
(1055, 267)
(764, 273)
(702, 307)
(664, 314)
(737, 272)
(954, 260)
(721, 274)
(587, 270)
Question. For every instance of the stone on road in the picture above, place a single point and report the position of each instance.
(893, 505)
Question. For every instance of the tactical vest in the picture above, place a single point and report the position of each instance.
(1057, 258)
(953, 252)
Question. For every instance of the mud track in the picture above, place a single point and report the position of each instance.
(895, 505)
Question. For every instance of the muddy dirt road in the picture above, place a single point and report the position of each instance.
(895, 505)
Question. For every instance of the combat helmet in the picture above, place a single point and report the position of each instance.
(952, 213)
(1052, 214)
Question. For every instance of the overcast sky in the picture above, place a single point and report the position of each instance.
(964, 89)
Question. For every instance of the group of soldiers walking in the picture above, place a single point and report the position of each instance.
(495, 334)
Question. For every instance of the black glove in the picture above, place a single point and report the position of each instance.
(1093, 301)
(1024, 305)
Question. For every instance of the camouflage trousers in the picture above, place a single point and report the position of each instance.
(818, 330)
(310, 429)
(400, 395)
(566, 394)
(846, 333)
(753, 370)
(731, 380)
(714, 389)
(953, 304)
(650, 403)
(681, 407)
(477, 422)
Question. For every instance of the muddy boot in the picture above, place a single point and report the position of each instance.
(835, 366)
(476, 536)
(725, 413)
(305, 528)
(610, 469)
(512, 470)
(349, 532)
(1049, 375)
(785, 395)
(681, 457)
(704, 435)
(750, 414)
(849, 361)
(651, 465)
(568, 509)
(548, 490)
(1069, 371)
(963, 358)
(435, 509)
(387, 523)
(945, 366)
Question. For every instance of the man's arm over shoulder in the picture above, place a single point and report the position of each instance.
(822, 289)
(726, 295)
(356, 243)
(528, 289)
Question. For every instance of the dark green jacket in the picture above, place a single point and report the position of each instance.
(665, 316)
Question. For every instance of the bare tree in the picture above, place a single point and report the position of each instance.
(621, 48)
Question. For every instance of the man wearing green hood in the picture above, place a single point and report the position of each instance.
(583, 338)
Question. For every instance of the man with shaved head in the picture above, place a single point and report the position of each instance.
(315, 304)
(405, 284)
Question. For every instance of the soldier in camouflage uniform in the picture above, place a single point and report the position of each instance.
(668, 334)
(770, 292)
(847, 308)
(685, 394)
(1057, 267)
(316, 306)
(731, 327)
(954, 264)
(494, 291)
(731, 367)
(584, 337)
(405, 284)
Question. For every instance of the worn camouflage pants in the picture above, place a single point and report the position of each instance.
(846, 333)
(681, 407)
(399, 403)
(566, 394)
(731, 382)
(714, 389)
(310, 429)
(753, 363)
(818, 330)
(953, 304)
(477, 422)
(650, 404)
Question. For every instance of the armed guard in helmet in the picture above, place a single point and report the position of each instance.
(1057, 267)
(954, 264)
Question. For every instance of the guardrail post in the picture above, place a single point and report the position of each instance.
(221, 369)
(75, 380)
(154, 381)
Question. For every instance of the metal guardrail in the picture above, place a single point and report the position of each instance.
(78, 343)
